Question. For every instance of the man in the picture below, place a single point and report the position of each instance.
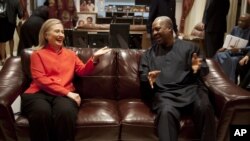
(229, 58)
(244, 65)
(215, 20)
(30, 29)
(244, 71)
(89, 20)
(172, 69)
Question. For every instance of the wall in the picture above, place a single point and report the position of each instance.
(193, 18)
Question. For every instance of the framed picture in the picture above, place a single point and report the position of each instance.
(87, 6)
(86, 18)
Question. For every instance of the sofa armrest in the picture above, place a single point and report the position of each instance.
(12, 84)
(232, 103)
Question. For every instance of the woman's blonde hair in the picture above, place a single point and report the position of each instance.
(44, 29)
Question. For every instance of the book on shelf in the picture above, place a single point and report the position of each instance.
(234, 42)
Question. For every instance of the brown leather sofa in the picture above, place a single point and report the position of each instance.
(112, 108)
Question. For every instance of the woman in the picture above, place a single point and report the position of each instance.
(8, 25)
(50, 103)
(29, 30)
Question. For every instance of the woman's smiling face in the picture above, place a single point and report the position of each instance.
(55, 35)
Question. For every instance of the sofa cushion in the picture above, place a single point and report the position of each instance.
(98, 119)
(137, 121)
(95, 112)
(127, 73)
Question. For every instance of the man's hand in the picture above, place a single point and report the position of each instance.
(196, 62)
(75, 96)
(152, 77)
(222, 49)
(100, 52)
(244, 60)
(235, 50)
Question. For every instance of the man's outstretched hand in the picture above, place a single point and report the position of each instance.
(152, 77)
(196, 62)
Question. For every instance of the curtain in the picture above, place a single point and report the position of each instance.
(65, 10)
(186, 7)
(23, 4)
(195, 16)
(232, 15)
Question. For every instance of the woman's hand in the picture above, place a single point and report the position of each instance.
(100, 52)
(196, 63)
(75, 96)
(152, 77)
(244, 60)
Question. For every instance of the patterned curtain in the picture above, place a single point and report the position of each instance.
(186, 7)
(24, 7)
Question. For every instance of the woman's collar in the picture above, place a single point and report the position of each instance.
(56, 50)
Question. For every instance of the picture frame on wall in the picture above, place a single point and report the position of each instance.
(86, 18)
(87, 6)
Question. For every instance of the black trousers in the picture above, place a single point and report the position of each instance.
(168, 119)
(213, 41)
(244, 72)
(51, 118)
